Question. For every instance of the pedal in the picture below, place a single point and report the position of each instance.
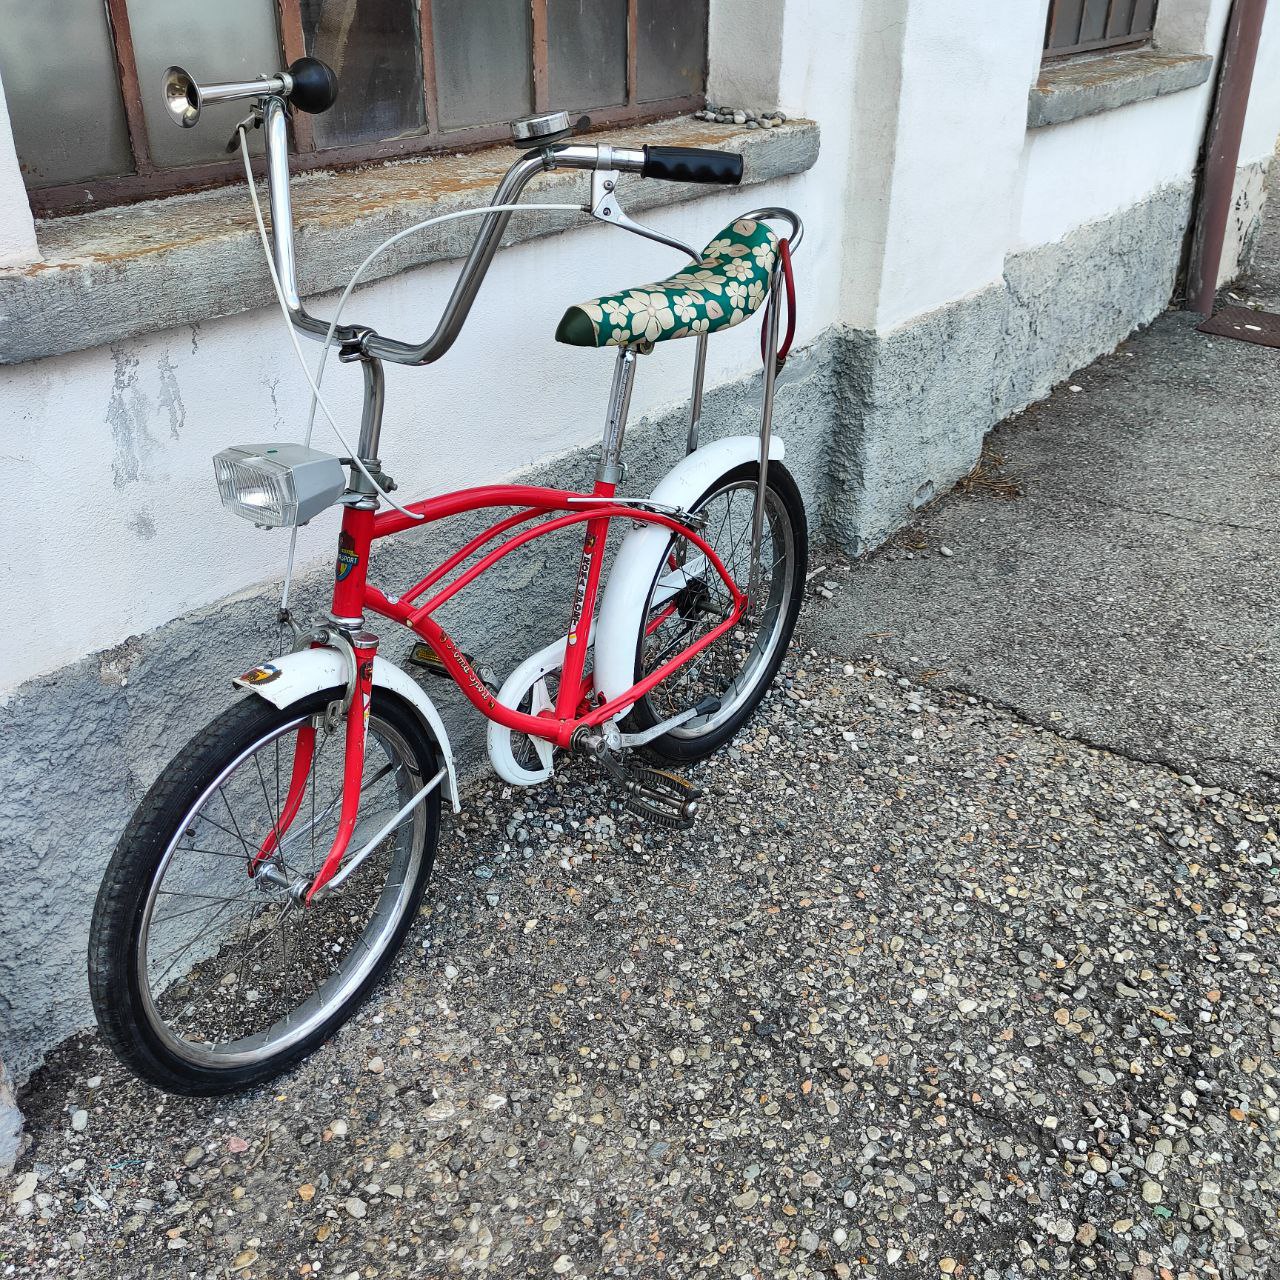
(663, 797)
(657, 794)
(424, 655)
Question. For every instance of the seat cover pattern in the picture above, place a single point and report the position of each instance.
(727, 287)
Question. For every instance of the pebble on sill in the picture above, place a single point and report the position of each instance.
(740, 115)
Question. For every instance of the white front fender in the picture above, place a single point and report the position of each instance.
(284, 681)
(621, 610)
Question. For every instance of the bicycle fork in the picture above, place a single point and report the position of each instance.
(360, 647)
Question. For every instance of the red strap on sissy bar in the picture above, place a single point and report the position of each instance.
(784, 256)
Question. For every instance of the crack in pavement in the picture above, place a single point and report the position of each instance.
(1109, 505)
(1203, 766)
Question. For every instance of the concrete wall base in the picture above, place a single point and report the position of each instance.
(916, 402)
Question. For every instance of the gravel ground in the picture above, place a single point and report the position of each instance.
(931, 990)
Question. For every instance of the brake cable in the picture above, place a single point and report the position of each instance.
(784, 260)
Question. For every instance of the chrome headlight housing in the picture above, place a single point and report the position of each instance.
(277, 485)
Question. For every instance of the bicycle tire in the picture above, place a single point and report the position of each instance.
(116, 978)
(704, 736)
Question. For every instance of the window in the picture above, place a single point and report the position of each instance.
(1078, 26)
(82, 79)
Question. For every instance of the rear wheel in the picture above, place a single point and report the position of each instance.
(687, 600)
(208, 972)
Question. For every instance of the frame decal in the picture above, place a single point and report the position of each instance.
(259, 675)
(580, 591)
(348, 556)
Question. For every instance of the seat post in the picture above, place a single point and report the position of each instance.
(610, 470)
(695, 404)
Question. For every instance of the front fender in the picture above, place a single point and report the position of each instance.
(641, 552)
(284, 681)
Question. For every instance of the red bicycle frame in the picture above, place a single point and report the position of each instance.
(354, 596)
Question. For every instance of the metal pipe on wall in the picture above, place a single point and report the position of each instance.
(1222, 151)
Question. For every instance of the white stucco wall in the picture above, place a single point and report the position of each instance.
(1260, 123)
(1086, 169)
(1090, 168)
(130, 532)
(962, 117)
(744, 52)
(124, 435)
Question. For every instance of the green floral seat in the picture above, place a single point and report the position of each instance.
(727, 287)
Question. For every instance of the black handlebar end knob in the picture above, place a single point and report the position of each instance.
(315, 87)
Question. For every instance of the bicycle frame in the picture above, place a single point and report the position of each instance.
(353, 594)
(538, 512)
(364, 528)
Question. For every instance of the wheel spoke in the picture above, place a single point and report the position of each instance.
(726, 668)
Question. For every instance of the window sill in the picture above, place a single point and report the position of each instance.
(1078, 87)
(113, 274)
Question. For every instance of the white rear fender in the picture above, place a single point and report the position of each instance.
(639, 557)
(284, 681)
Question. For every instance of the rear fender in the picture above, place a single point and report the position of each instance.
(621, 611)
(288, 679)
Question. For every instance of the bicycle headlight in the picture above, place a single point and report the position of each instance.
(277, 485)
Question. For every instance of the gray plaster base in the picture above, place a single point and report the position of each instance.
(876, 425)
(12, 1139)
(917, 401)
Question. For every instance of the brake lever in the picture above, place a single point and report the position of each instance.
(606, 207)
(252, 120)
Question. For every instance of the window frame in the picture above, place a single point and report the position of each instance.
(148, 181)
(1130, 38)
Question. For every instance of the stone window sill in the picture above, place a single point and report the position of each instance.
(1078, 87)
(116, 273)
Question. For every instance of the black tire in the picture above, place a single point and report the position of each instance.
(168, 814)
(704, 736)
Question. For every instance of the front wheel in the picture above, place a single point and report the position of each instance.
(687, 599)
(208, 971)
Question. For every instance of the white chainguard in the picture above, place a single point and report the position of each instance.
(530, 675)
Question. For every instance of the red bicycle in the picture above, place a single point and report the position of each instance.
(271, 873)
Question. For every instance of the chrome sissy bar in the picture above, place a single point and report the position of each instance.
(606, 207)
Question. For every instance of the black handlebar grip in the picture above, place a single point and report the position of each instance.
(692, 164)
(315, 87)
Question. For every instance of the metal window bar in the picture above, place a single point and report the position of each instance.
(1087, 26)
(148, 181)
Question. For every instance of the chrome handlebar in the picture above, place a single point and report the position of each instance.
(474, 269)
(311, 86)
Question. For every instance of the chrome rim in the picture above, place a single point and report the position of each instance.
(688, 600)
(232, 967)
